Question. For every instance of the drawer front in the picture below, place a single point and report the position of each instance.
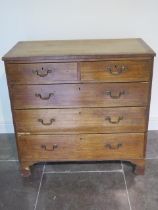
(81, 147)
(83, 120)
(80, 95)
(116, 71)
(41, 73)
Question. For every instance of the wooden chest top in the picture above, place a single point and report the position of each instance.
(78, 49)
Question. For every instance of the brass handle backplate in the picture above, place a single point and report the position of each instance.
(46, 123)
(44, 97)
(42, 73)
(113, 147)
(53, 147)
(116, 69)
(114, 121)
(109, 93)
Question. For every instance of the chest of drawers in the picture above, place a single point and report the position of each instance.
(80, 100)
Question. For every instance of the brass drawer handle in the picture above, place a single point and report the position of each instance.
(46, 123)
(42, 73)
(55, 146)
(116, 69)
(109, 93)
(44, 98)
(114, 122)
(113, 147)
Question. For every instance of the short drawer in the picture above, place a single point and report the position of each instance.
(81, 147)
(41, 73)
(80, 95)
(83, 120)
(116, 71)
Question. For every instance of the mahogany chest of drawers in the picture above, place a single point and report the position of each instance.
(80, 100)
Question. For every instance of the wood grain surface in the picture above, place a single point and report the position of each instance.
(80, 95)
(41, 73)
(116, 71)
(81, 147)
(81, 120)
(77, 49)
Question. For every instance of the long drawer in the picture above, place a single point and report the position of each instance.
(80, 95)
(41, 73)
(116, 71)
(81, 120)
(81, 147)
